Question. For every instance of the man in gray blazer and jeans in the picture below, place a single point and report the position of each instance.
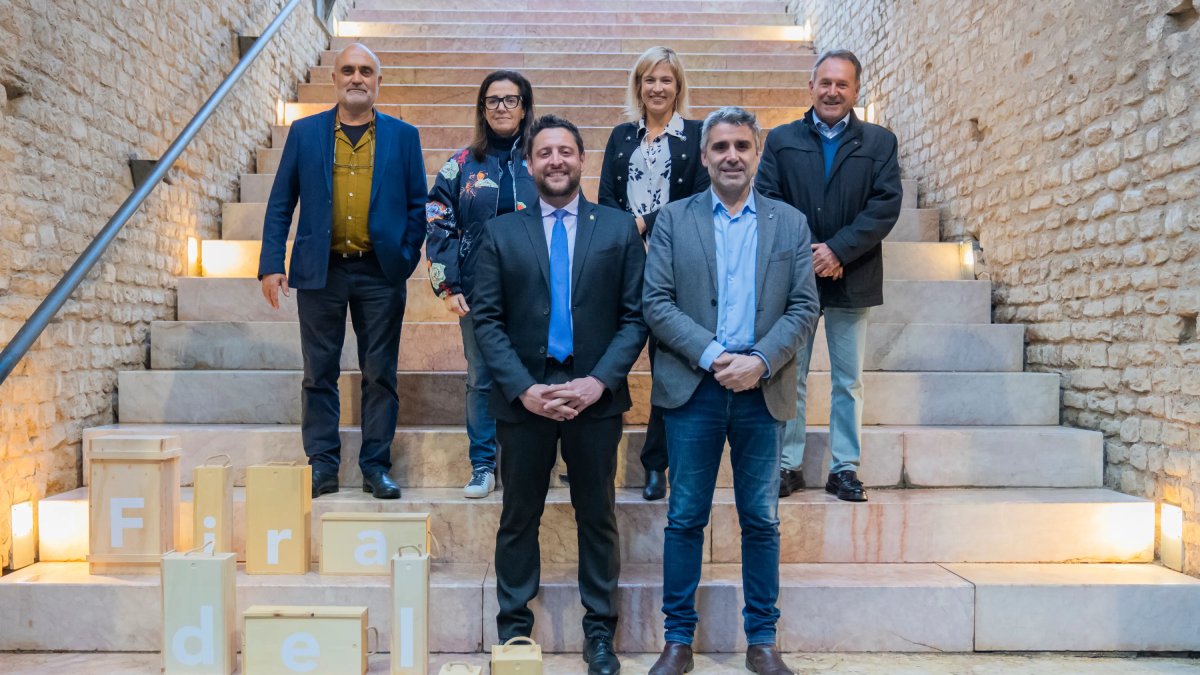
(730, 293)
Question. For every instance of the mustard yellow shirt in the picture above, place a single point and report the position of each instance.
(353, 166)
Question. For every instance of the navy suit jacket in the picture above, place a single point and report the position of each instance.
(396, 219)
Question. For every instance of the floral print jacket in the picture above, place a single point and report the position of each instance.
(464, 196)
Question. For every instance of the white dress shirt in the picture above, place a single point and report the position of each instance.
(569, 221)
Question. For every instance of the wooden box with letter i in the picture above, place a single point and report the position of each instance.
(212, 507)
(278, 519)
(133, 503)
(199, 613)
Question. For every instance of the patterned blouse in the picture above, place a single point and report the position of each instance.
(649, 187)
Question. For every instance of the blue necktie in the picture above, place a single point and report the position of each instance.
(561, 340)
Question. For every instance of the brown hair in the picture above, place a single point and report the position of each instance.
(479, 143)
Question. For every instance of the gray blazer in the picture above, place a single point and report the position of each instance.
(679, 297)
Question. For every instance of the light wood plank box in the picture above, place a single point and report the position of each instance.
(410, 612)
(460, 668)
(200, 627)
(301, 639)
(133, 501)
(278, 519)
(518, 656)
(363, 543)
(212, 508)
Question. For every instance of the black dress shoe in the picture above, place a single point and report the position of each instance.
(676, 659)
(790, 481)
(846, 486)
(656, 486)
(381, 485)
(600, 657)
(323, 482)
(766, 660)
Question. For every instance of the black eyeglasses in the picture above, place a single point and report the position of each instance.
(493, 102)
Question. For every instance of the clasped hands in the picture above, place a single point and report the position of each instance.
(561, 402)
(738, 372)
(825, 262)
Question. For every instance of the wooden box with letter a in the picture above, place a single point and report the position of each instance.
(319, 640)
(410, 612)
(278, 519)
(133, 503)
(212, 508)
(199, 613)
(363, 543)
(518, 656)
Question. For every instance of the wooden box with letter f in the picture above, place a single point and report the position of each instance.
(133, 503)
(278, 519)
(199, 613)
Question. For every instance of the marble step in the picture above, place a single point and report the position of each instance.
(613, 77)
(558, 39)
(256, 187)
(268, 162)
(275, 345)
(566, 94)
(569, 16)
(583, 61)
(1017, 525)
(427, 114)
(273, 397)
(583, 29)
(906, 261)
(892, 456)
(691, 6)
(905, 302)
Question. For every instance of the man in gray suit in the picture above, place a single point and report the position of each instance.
(726, 370)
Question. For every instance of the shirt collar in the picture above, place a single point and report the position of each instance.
(719, 206)
(828, 131)
(337, 121)
(571, 209)
(674, 127)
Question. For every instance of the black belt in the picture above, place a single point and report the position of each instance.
(552, 362)
(351, 255)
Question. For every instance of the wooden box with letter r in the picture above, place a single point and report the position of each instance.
(278, 519)
(133, 502)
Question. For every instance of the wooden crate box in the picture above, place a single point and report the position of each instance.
(133, 503)
(200, 627)
(410, 612)
(321, 640)
(278, 519)
(363, 543)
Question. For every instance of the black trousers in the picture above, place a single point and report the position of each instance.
(376, 309)
(654, 449)
(589, 447)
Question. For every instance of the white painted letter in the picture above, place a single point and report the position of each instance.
(406, 646)
(300, 646)
(210, 537)
(203, 633)
(119, 523)
(374, 551)
(273, 539)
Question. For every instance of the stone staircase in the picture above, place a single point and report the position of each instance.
(985, 519)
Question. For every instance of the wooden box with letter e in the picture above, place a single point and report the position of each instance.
(363, 543)
(410, 611)
(199, 613)
(133, 502)
(319, 640)
(278, 519)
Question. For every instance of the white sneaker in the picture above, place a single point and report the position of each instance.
(483, 481)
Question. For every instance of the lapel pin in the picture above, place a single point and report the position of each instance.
(592, 217)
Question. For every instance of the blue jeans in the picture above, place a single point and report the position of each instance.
(696, 434)
(481, 426)
(377, 311)
(846, 335)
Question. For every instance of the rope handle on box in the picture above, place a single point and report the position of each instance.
(375, 630)
(228, 460)
(520, 639)
(212, 546)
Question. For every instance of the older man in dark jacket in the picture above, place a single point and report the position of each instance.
(843, 175)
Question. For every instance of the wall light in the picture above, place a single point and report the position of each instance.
(1170, 536)
(24, 536)
(193, 257)
(280, 112)
(62, 526)
(222, 258)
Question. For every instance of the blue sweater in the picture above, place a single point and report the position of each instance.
(830, 147)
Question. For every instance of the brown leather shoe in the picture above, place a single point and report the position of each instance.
(766, 660)
(676, 659)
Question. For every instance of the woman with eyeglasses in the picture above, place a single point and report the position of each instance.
(652, 160)
(483, 180)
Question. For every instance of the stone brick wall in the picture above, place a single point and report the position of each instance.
(1063, 138)
(84, 86)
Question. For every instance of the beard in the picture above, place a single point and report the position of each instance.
(572, 184)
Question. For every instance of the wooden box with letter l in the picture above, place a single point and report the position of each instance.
(212, 507)
(518, 656)
(410, 611)
(278, 519)
(199, 604)
(363, 543)
(133, 502)
(319, 640)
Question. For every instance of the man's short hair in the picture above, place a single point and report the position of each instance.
(551, 122)
(843, 54)
(730, 114)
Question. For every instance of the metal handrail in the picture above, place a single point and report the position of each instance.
(41, 317)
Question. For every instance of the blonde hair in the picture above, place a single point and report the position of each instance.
(635, 109)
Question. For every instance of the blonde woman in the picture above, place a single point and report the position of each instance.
(651, 160)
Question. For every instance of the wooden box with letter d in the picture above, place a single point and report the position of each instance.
(319, 640)
(199, 613)
(410, 611)
(363, 543)
(278, 519)
(133, 503)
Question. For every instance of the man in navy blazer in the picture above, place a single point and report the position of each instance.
(359, 178)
